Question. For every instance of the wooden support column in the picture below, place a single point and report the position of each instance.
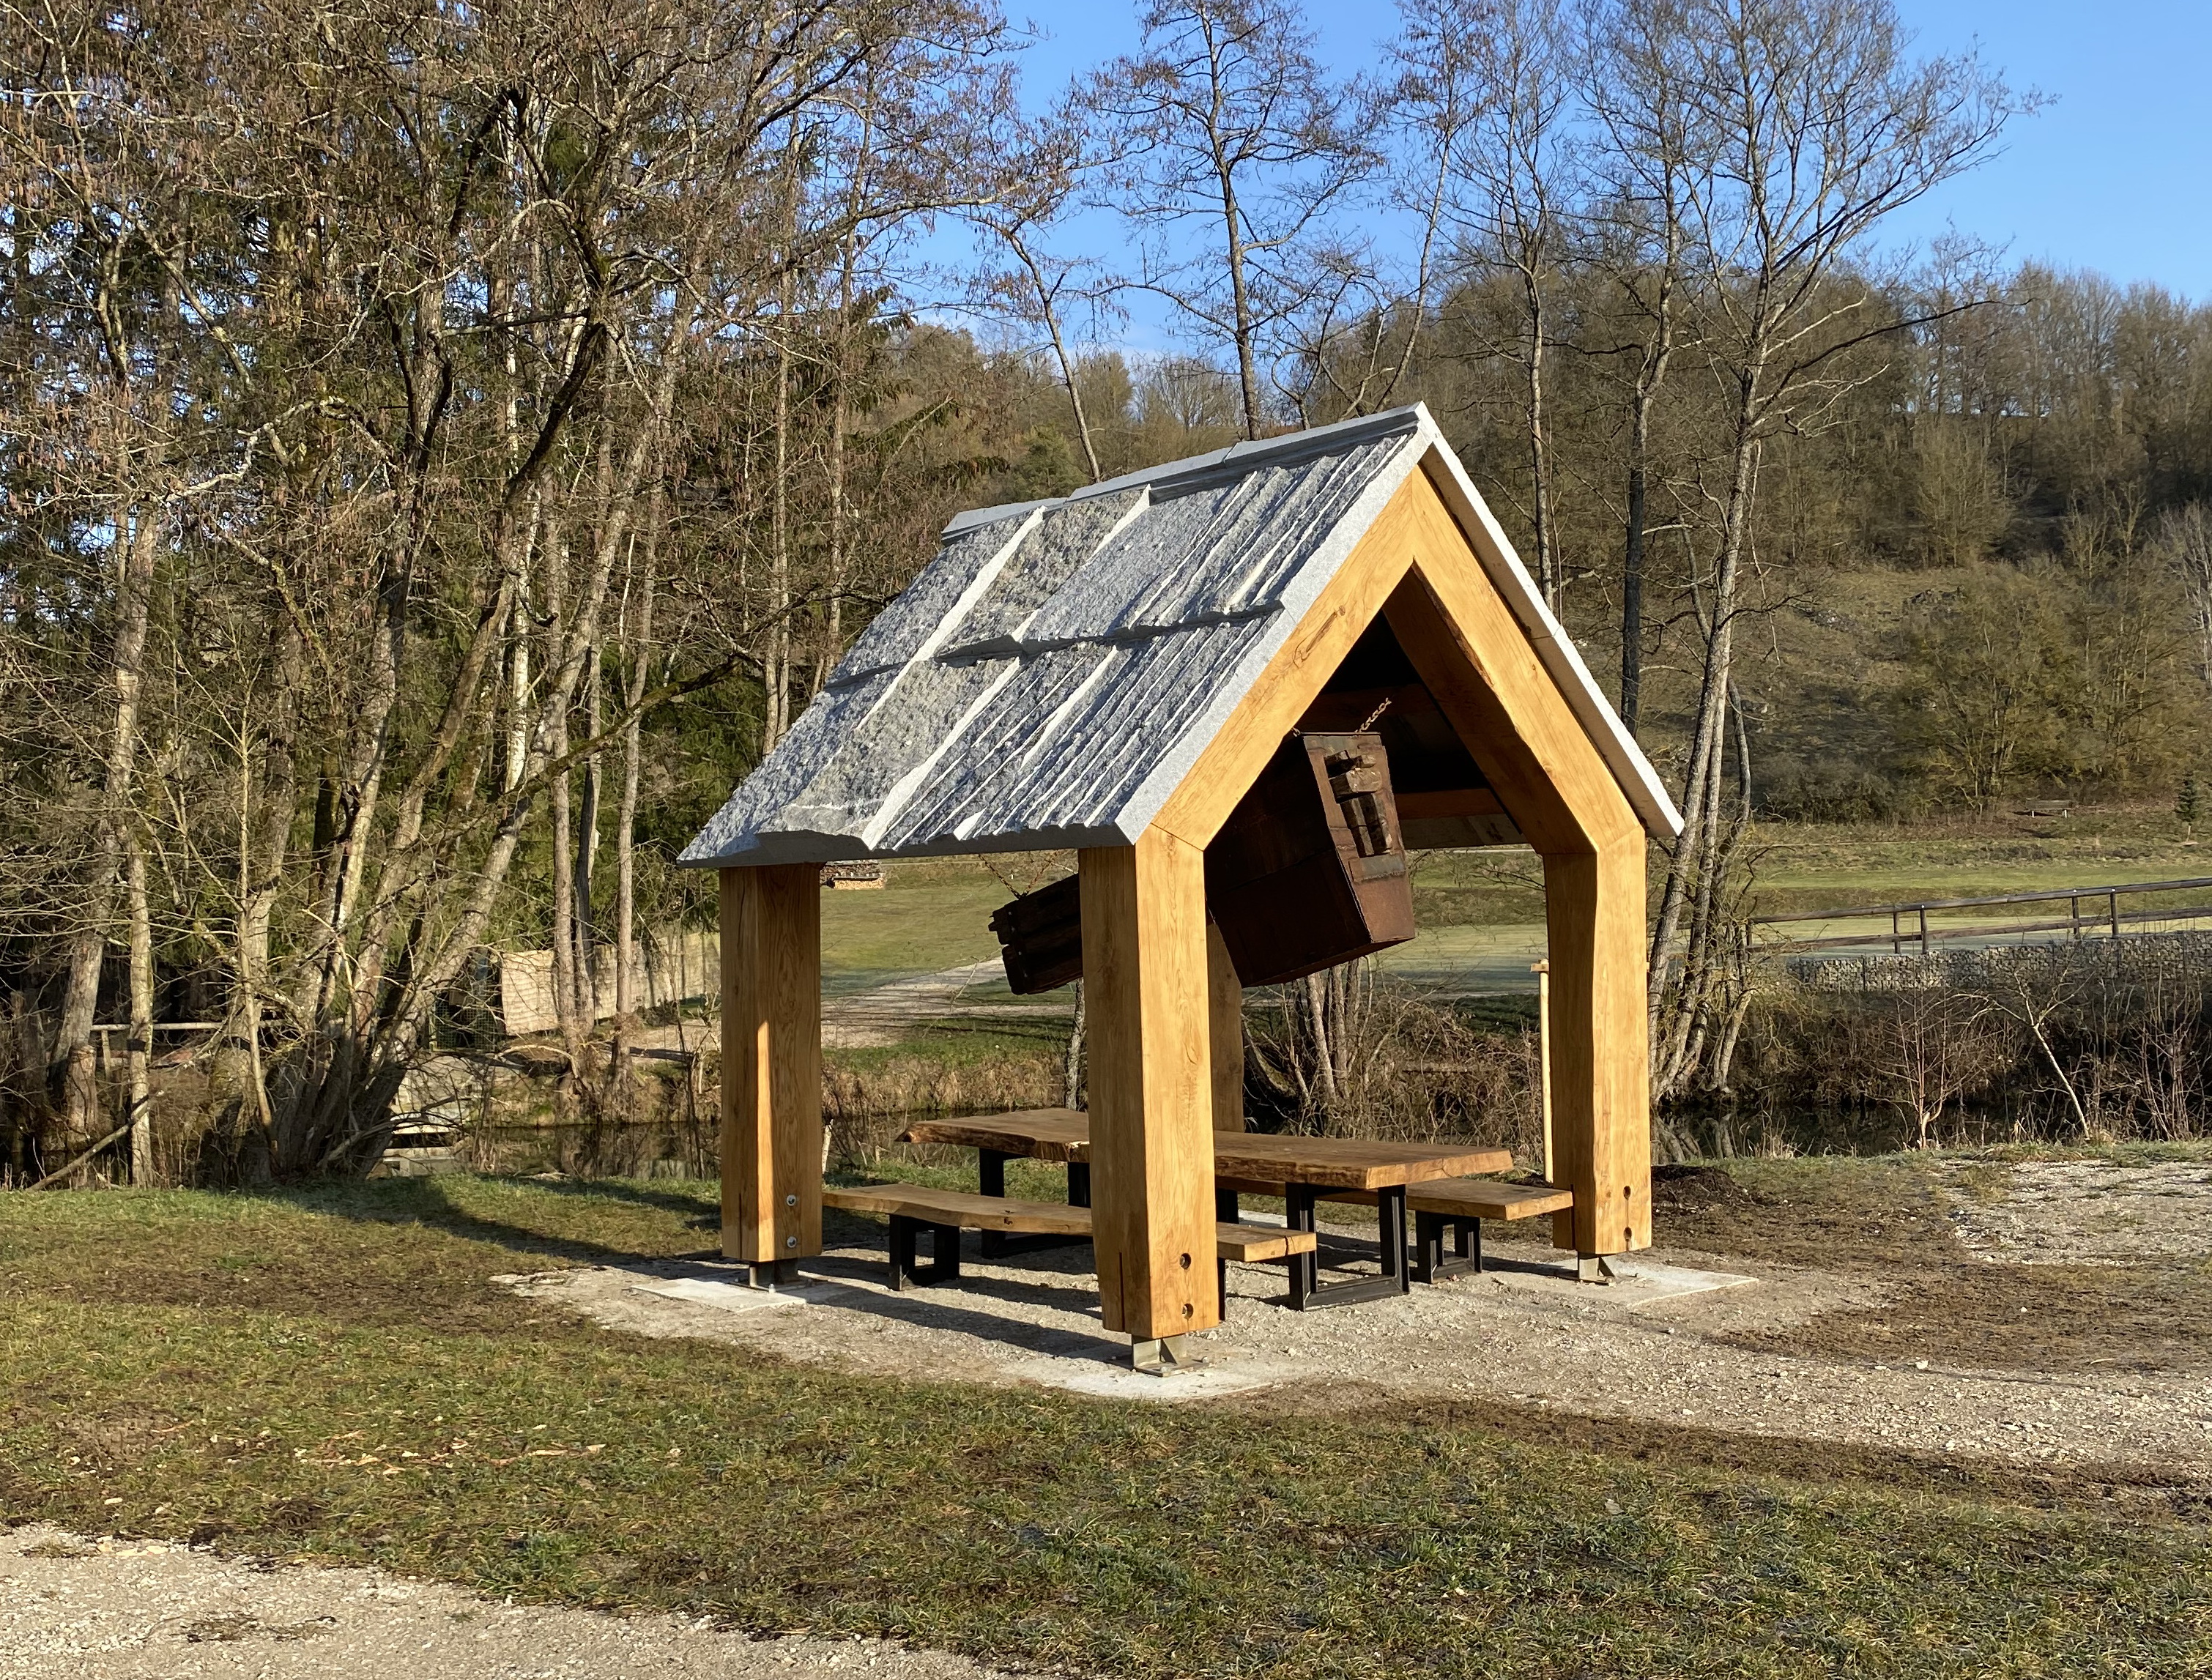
(1602, 1113)
(771, 929)
(1146, 1005)
(1224, 1006)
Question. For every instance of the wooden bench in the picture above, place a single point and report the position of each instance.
(1457, 1207)
(913, 1208)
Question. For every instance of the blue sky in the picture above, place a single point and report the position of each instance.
(2115, 175)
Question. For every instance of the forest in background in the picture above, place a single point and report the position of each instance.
(443, 449)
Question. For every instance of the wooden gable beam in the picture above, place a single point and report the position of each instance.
(1532, 750)
(1418, 567)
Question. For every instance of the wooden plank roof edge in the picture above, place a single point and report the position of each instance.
(1639, 779)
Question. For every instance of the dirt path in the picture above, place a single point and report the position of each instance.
(105, 1609)
(1683, 1337)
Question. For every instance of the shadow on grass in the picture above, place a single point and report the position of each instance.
(431, 1202)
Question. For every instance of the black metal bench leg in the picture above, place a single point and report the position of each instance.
(906, 1272)
(1431, 1263)
(1079, 1184)
(1390, 1210)
(1221, 1279)
(902, 1235)
(1428, 1246)
(944, 1255)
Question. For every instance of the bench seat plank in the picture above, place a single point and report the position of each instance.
(964, 1208)
(1486, 1198)
(973, 1212)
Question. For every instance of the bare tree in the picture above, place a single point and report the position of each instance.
(2185, 542)
(1227, 119)
(1635, 68)
(1044, 168)
(1513, 166)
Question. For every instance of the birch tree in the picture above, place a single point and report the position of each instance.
(1817, 124)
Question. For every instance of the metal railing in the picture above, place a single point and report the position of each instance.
(2110, 920)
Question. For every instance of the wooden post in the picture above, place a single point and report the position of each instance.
(771, 939)
(1593, 907)
(1152, 1086)
(1224, 1006)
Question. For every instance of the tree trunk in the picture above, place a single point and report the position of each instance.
(588, 848)
(638, 650)
(1547, 557)
(1632, 566)
(140, 1051)
(71, 1073)
(1692, 849)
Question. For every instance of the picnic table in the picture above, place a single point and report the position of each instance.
(1302, 1170)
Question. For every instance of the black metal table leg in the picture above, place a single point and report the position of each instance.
(1390, 1222)
(1307, 1291)
(1079, 1184)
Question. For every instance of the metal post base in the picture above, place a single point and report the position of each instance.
(768, 1274)
(1593, 1269)
(1163, 1356)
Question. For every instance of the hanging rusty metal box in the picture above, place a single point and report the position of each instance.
(1310, 870)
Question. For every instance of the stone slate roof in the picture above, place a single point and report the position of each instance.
(1049, 678)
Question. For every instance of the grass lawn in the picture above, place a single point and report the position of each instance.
(329, 1375)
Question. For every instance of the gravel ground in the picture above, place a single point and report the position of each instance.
(1663, 1345)
(2092, 1213)
(107, 1610)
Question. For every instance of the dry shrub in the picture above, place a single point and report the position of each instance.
(2100, 1038)
(866, 1109)
(1390, 1064)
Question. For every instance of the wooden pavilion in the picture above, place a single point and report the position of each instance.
(1113, 671)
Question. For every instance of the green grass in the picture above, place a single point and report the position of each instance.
(927, 917)
(330, 1375)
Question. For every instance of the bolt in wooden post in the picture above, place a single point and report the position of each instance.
(1145, 1000)
(771, 928)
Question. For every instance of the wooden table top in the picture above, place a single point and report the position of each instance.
(1348, 1163)
(1042, 1134)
